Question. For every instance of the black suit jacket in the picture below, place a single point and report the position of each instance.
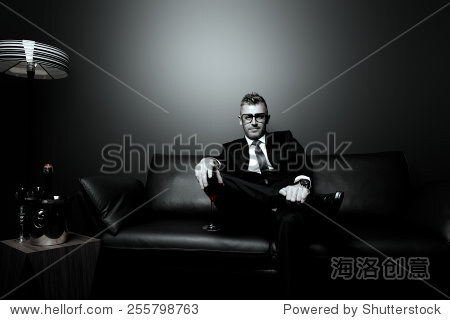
(285, 154)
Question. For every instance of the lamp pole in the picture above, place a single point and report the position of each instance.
(30, 123)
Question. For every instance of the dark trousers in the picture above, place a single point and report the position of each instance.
(258, 206)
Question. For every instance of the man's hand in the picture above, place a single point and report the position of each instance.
(205, 169)
(295, 193)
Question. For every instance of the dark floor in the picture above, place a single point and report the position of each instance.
(144, 283)
(260, 285)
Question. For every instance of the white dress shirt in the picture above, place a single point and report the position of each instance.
(253, 165)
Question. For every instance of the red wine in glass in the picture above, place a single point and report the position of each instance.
(212, 190)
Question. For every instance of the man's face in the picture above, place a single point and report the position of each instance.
(253, 130)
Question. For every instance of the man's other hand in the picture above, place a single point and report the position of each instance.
(205, 169)
(295, 193)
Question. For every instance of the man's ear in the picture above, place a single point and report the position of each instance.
(267, 118)
(240, 120)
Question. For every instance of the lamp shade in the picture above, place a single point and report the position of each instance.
(23, 58)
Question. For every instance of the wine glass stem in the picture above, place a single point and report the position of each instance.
(21, 233)
(212, 213)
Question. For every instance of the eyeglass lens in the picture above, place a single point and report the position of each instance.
(260, 117)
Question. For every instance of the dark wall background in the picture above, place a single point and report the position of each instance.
(196, 59)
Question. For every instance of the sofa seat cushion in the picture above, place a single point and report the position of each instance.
(185, 235)
(391, 239)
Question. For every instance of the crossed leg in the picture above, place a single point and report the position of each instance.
(250, 203)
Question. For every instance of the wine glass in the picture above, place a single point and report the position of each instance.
(21, 194)
(22, 216)
(212, 190)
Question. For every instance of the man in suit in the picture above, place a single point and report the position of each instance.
(265, 180)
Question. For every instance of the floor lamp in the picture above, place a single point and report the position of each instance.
(32, 60)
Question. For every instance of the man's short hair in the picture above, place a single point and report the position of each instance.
(252, 99)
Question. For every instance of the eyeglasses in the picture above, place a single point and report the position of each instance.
(259, 117)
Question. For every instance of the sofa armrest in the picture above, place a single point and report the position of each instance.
(112, 198)
(82, 215)
(431, 208)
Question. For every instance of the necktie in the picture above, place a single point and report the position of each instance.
(262, 161)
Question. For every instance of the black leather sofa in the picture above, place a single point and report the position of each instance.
(161, 250)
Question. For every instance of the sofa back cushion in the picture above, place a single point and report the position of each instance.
(174, 176)
(375, 184)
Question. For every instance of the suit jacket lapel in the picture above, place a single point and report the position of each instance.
(245, 155)
(269, 148)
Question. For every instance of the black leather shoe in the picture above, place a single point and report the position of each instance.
(328, 203)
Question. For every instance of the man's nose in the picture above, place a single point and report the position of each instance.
(254, 121)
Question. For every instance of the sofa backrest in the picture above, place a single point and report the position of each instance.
(176, 174)
(375, 184)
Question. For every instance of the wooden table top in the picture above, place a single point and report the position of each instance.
(73, 239)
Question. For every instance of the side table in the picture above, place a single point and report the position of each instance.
(64, 271)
